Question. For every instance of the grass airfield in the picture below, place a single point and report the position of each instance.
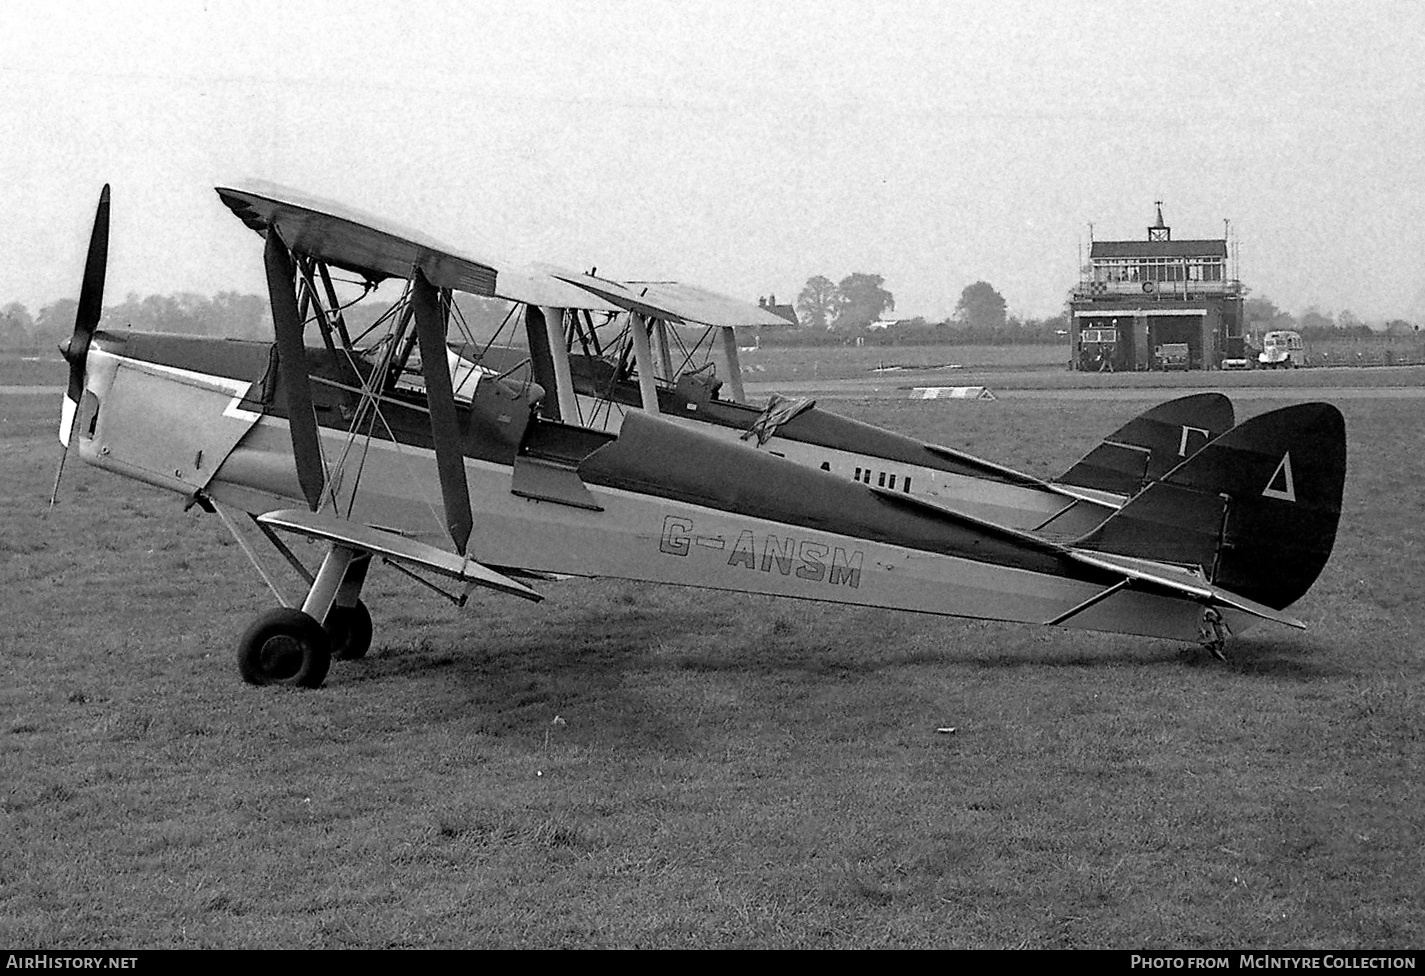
(629, 765)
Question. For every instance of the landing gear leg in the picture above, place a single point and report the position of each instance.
(335, 601)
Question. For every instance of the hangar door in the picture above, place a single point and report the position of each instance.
(1103, 344)
(1167, 329)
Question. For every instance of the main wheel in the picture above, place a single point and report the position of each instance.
(284, 647)
(349, 630)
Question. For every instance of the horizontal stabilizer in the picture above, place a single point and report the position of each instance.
(398, 548)
(1152, 444)
(1182, 580)
(1143, 574)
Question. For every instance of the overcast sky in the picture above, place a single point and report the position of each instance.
(741, 146)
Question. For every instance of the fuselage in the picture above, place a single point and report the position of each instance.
(862, 452)
(656, 501)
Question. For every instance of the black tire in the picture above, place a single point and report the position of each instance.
(349, 631)
(284, 647)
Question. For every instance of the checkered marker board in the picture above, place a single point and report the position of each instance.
(952, 393)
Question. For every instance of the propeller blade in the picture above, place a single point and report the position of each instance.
(91, 298)
(292, 368)
(76, 349)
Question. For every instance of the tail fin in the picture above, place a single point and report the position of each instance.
(1152, 444)
(1257, 508)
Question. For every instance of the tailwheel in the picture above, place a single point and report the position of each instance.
(1213, 632)
(349, 631)
(284, 647)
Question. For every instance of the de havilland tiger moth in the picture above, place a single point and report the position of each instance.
(393, 443)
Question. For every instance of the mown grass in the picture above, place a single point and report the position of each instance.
(838, 380)
(629, 765)
(801, 363)
(1046, 367)
(32, 369)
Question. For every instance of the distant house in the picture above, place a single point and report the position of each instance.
(785, 311)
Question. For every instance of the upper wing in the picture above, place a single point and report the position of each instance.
(377, 248)
(536, 286)
(705, 307)
(357, 241)
(674, 302)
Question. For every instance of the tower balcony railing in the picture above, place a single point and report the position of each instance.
(1156, 289)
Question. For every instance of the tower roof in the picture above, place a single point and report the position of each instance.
(1158, 249)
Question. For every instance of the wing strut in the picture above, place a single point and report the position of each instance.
(440, 398)
(643, 358)
(292, 368)
(541, 358)
(1091, 601)
(734, 367)
(559, 356)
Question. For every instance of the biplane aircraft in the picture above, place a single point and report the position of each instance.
(390, 444)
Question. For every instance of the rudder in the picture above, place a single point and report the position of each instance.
(1257, 508)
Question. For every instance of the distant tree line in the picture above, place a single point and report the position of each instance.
(855, 310)
(1261, 315)
(227, 314)
(829, 313)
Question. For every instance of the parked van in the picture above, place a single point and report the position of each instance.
(1280, 350)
